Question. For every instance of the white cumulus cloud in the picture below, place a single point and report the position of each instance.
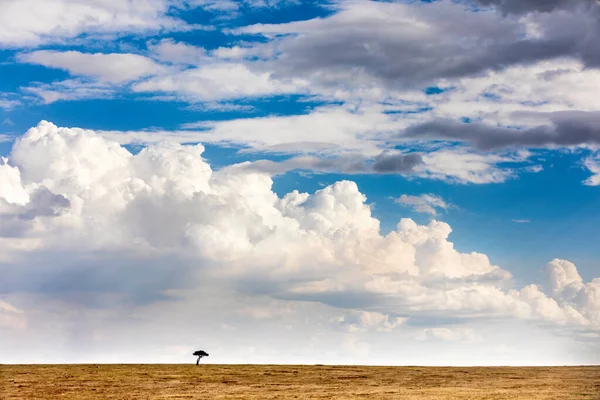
(89, 224)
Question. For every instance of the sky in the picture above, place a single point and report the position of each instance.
(282, 181)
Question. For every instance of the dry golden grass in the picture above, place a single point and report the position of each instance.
(294, 382)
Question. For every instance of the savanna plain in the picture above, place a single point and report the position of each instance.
(210, 381)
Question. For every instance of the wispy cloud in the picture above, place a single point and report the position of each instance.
(114, 67)
(592, 164)
(72, 89)
(425, 203)
(8, 103)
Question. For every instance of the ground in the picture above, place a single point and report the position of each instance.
(294, 382)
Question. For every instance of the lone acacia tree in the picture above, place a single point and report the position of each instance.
(200, 354)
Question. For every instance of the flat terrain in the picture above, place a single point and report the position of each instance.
(294, 382)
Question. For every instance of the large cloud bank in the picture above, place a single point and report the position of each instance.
(72, 202)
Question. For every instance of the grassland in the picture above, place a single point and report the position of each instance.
(294, 382)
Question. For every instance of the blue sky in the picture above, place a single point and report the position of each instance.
(271, 149)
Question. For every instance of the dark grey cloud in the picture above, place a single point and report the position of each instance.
(357, 47)
(568, 128)
(526, 6)
(396, 163)
(386, 162)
